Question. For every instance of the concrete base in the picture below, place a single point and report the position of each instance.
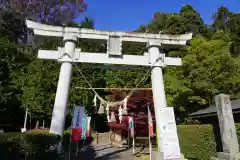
(226, 156)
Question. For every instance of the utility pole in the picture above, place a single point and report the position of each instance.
(69, 54)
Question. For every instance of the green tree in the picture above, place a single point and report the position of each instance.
(192, 19)
(208, 69)
(233, 24)
(220, 19)
(12, 61)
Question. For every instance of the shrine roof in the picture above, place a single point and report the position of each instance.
(212, 110)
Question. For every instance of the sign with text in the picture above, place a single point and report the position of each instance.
(78, 115)
(169, 143)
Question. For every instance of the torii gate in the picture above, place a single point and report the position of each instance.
(113, 56)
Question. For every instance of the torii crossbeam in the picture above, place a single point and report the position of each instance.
(68, 54)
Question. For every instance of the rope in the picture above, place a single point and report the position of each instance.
(113, 88)
(99, 97)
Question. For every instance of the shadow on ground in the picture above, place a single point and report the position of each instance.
(89, 151)
(95, 153)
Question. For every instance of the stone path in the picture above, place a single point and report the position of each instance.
(103, 152)
(108, 152)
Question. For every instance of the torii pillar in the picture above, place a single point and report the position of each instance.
(62, 93)
(165, 120)
(159, 97)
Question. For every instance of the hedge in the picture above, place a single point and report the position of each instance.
(34, 145)
(28, 146)
(196, 142)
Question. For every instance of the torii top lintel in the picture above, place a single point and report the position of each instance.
(60, 31)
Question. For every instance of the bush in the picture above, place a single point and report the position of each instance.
(40, 145)
(10, 147)
(28, 146)
(197, 141)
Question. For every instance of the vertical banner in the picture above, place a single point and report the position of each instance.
(150, 131)
(84, 127)
(78, 114)
(88, 134)
(131, 126)
(150, 123)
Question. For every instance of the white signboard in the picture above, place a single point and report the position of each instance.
(169, 137)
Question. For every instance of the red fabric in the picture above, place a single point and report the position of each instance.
(76, 134)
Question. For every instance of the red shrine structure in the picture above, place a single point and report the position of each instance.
(137, 108)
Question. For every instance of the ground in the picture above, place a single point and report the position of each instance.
(109, 152)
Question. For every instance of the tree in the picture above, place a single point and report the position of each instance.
(157, 24)
(11, 62)
(220, 19)
(234, 30)
(192, 19)
(208, 69)
(87, 23)
(14, 12)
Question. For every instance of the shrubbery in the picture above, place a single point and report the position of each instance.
(28, 146)
(196, 142)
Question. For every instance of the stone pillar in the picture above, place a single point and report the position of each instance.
(158, 90)
(61, 99)
(227, 128)
(166, 125)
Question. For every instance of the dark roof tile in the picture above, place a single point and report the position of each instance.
(212, 109)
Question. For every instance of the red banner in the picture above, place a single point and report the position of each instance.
(76, 134)
(150, 123)
(150, 127)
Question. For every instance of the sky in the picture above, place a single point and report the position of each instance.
(128, 15)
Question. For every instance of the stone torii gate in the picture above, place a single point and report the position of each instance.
(153, 58)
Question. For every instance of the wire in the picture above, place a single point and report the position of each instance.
(114, 88)
(99, 97)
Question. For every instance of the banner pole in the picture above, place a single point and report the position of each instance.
(133, 145)
(150, 148)
(77, 150)
(133, 136)
(70, 143)
(129, 139)
(70, 146)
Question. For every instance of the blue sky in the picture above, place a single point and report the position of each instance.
(128, 15)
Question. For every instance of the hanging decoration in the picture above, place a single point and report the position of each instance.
(95, 100)
(112, 118)
(124, 112)
(101, 108)
(120, 113)
(107, 112)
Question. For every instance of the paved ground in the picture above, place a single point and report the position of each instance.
(107, 152)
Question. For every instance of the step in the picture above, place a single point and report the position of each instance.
(105, 151)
